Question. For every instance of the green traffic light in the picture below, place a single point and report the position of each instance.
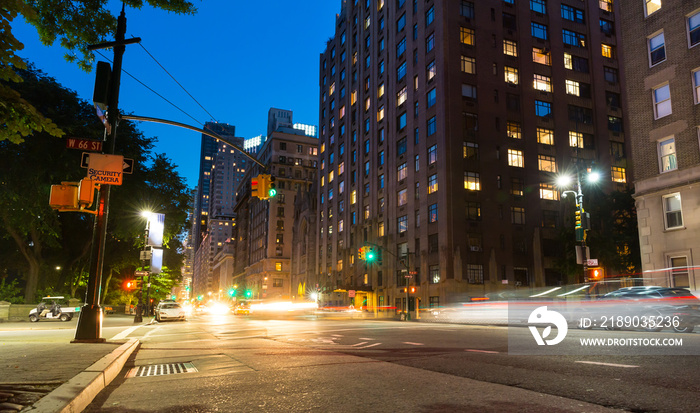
(272, 192)
(231, 292)
(248, 293)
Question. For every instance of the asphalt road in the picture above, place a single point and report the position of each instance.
(249, 364)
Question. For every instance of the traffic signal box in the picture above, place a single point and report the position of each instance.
(263, 186)
(73, 196)
(595, 273)
(361, 254)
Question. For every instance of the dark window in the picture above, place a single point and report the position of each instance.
(613, 99)
(432, 243)
(614, 124)
(401, 146)
(512, 102)
(473, 211)
(581, 115)
(571, 13)
(610, 74)
(538, 6)
(538, 31)
(509, 21)
(466, 9)
(606, 27)
(574, 39)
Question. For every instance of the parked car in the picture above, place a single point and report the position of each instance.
(241, 309)
(169, 310)
(53, 308)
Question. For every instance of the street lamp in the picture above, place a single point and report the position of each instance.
(582, 220)
(138, 317)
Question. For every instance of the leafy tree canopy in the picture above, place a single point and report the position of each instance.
(75, 25)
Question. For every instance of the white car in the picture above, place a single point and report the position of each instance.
(170, 311)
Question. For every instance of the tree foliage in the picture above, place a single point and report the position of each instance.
(54, 247)
(75, 25)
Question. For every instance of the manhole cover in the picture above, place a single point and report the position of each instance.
(161, 370)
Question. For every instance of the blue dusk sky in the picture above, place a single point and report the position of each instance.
(237, 58)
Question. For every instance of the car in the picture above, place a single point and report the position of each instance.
(170, 311)
(675, 308)
(50, 308)
(241, 309)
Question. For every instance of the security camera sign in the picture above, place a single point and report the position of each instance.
(106, 169)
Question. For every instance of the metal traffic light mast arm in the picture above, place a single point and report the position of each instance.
(205, 132)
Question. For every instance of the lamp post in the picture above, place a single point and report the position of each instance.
(138, 317)
(582, 221)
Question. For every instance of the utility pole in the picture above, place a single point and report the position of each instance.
(89, 329)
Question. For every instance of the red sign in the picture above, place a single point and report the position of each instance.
(351, 293)
(84, 144)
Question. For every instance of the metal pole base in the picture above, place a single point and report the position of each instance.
(138, 318)
(89, 329)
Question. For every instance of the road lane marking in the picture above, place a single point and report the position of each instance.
(365, 338)
(359, 344)
(413, 344)
(151, 332)
(607, 364)
(482, 351)
(371, 345)
(125, 333)
(336, 335)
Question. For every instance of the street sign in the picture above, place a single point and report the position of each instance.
(592, 262)
(141, 273)
(351, 293)
(105, 169)
(128, 166)
(84, 144)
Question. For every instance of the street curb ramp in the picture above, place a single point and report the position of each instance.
(77, 393)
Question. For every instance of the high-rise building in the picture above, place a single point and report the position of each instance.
(208, 150)
(263, 234)
(443, 125)
(662, 66)
(216, 194)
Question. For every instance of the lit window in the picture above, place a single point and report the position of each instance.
(607, 51)
(380, 229)
(513, 130)
(432, 154)
(572, 88)
(472, 181)
(402, 224)
(650, 6)
(572, 38)
(541, 56)
(568, 61)
(402, 197)
(380, 90)
(468, 65)
(368, 102)
(545, 136)
(575, 139)
(510, 74)
(510, 48)
(380, 113)
(353, 196)
(432, 213)
(657, 49)
(547, 191)
(515, 158)
(667, 155)
(466, 36)
(470, 151)
(672, 211)
(401, 96)
(431, 70)
(618, 174)
(662, 101)
(402, 172)
(696, 86)
(694, 29)
(542, 83)
(546, 163)
(606, 5)
(353, 97)
(432, 183)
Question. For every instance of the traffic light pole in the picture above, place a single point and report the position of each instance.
(579, 205)
(89, 329)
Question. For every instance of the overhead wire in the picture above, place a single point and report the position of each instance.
(149, 88)
(175, 80)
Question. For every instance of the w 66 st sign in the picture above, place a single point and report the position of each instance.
(84, 144)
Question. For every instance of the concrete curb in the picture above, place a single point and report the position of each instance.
(77, 393)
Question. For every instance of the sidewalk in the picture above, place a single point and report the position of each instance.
(44, 364)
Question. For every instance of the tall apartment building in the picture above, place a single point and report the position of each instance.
(442, 127)
(662, 65)
(263, 232)
(209, 148)
(227, 167)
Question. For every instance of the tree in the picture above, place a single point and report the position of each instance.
(46, 239)
(75, 24)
